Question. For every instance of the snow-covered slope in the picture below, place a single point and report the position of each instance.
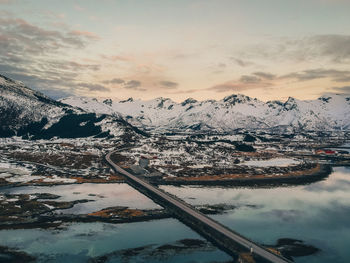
(28, 113)
(21, 106)
(232, 112)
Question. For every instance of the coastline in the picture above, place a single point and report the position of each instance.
(317, 173)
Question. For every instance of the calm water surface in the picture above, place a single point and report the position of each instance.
(318, 214)
(102, 196)
(80, 242)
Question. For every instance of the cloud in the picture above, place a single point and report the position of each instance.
(19, 36)
(290, 215)
(249, 79)
(227, 87)
(238, 86)
(77, 66)
(311, 74)
(114, 81)
(35, 55)
(218, 68)
(168, 84)
(86, 34)
(266, 80)
(246, 82)
(343, 90)
(335, 47)
(241, 63)
(184, 91)
(93, 87)
(265, 75)
(116, 58)
(133, 84)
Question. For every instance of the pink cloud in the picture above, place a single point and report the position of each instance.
(86, 34)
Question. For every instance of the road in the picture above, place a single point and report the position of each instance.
(230, 234)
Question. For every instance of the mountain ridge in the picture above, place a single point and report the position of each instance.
(235, 111)
(32, 115)
(25, 112)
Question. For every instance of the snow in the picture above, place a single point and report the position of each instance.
(271, 149)
(23, 178)
(279, 162)
(15, 173)
(232, 112)
(4, 175)
(49, 206)
(31, 197)
(12, 199)
(59, 179)
(2, 81)
(198, 166)
(30, 106)
(9, 168)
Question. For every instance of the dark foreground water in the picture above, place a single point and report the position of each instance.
(318, 214)
(85, 242)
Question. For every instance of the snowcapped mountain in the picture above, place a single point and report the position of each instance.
(21, 106)
(233, 112)
(30, 114)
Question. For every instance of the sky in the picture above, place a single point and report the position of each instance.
(204, 49)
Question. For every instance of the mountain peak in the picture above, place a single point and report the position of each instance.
(162, 99)
(290, 104)
(237, 98)
(128, 100)
(188, 101)
(108, 102)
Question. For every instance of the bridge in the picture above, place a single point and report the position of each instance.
(225, 238)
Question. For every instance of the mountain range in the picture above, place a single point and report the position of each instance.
(30, 114)
(329, 112)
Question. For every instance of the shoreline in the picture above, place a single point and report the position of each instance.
(323, 171)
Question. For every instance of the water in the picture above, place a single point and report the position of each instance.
(103, 196)
(81, 242)
(318, 214)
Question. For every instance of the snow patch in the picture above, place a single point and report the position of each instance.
(279, 162)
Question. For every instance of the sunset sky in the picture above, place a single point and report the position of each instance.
(269, 49)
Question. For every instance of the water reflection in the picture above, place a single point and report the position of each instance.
(317, 213)
(83, 242)
(103, 195)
